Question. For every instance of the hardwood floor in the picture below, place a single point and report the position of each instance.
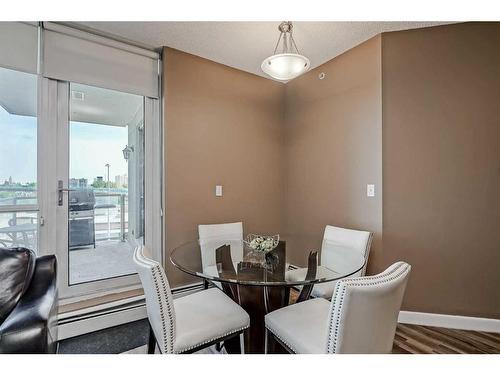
(414, 339)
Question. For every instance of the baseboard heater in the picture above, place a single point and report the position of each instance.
(113, 314)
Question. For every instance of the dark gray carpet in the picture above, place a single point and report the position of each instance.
(112, 340)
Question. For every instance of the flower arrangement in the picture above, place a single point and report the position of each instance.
(262, 243)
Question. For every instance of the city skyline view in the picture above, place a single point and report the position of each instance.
(106, 142)
(19, 134)
(98, 144)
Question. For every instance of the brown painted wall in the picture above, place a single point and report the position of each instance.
(441, 165)
(419, 106)
(222, 126)
(334, 149)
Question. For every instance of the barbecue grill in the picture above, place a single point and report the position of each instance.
(81, 218)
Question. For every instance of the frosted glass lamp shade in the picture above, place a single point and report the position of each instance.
(285, 66)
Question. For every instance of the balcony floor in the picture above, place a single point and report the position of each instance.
(110, 258)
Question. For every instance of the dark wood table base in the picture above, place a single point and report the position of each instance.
(259, 300)
(253, 300)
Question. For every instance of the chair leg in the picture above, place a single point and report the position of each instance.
(242, 342)
(151, 341)
(266, 342)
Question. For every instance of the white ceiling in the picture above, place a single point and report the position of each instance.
(102, 106)
(18, 92)
(244, 45)
(99, 106)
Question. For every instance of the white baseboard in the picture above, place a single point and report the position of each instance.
(112, 314)
(96, 323)
(450, 321)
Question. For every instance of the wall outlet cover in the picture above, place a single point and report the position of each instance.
(218, 190)
(370, 190)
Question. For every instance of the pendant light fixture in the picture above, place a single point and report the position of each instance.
(286, 62)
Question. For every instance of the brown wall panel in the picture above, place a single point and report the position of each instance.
(333, 148)
(418, 109)
(441, 165)
(222, 126)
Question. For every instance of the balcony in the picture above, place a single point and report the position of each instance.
(112, 255)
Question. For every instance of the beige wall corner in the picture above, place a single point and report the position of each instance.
(333, 149)
(413, 112)
(222, 126)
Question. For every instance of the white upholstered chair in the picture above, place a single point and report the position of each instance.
(190, 323)
(361, 318)
(211, 236)
(339, 246)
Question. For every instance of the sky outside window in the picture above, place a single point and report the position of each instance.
(91, 147)
(17, 147)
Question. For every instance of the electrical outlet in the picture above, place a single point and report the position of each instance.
(218, 190)
(370, 190)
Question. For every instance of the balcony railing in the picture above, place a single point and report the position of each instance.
(111, 216)
(19, 227)
(17, 195)
(18, 216)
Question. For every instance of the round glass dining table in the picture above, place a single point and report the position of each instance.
(261, 281)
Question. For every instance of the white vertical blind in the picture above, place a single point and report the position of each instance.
(77, 56)
(19, 46)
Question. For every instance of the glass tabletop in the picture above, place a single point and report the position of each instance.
(236, 262)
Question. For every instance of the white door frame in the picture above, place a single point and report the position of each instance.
(153, 211)
(53, 165)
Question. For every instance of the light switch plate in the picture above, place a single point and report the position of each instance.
(218, 190)
(370, 190)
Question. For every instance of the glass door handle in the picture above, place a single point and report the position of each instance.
(60, 190)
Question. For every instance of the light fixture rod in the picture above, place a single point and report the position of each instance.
(286, 62)
(286, 33)
(277, 44)
(295, 45)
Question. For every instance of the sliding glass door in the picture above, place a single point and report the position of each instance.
(80, 153)
(100, 177)
(106, 182)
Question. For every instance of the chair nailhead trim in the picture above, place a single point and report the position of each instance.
(168, 334)
(282, 340)
(363, 281)
(212, 339)
(163, 296)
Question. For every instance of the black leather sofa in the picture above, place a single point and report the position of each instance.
(28, 302)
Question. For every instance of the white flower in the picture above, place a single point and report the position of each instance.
(262, 243)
